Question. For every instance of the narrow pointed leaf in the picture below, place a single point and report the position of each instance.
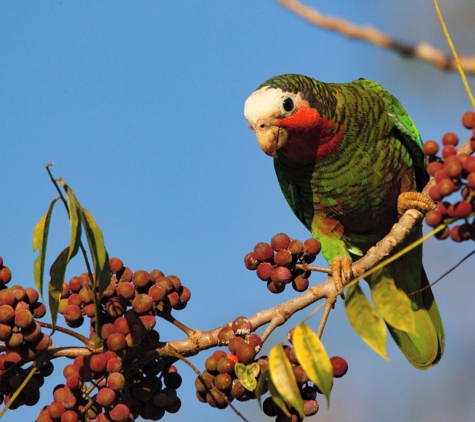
(277, 397)
(392, 303)
(261, 384)
(40, 240)
(74, 226)
(313, 358)
(102, 273)
(283, 378)
(365, 320)
(55, 286)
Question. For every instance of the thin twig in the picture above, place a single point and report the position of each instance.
(72, 333)
(330, 302)
(306, 267)
(445, 274)
(421, 51)
(169, 317)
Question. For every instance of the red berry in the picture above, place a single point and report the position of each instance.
(116, 342)
(440, 175)
(275, 288)
(471, 180)
(141, 278)
(116, 265)
(433, 218)
(264, 271)
(283, 258)
(234, 343)
(300, 283)
(434, 193)
(225, 365)
(246, 353)
(281, 275)
(280, 241)
(430, 148)
(340, 366)
(241, 326)
(312, 247)
(446, 187)
(116, 381)
(469, 164)
(462, 209)
(250, 261)
(468, 120)
(106, 397)
(263, 252)
(434, 167)
(455, 234)
(142, 303)
(454, 169)
(126, 290)
(448, 150)
(296, 247)
(120, 413)
(450, 138)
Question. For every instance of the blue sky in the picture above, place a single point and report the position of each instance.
(140, 107)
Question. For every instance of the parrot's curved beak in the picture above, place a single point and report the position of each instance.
(271, 138)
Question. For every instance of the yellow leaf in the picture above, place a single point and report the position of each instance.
(102, 273)
(75, 227)
(392, 303)
(365, 320)
(283, 378)
(40, 240)
(313, 358)
(55, 286)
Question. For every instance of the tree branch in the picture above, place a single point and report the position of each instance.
(421, 51)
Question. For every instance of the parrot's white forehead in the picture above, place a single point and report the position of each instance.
(263, 104)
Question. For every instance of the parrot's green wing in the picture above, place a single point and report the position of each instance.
(425, 349)
(293, 196)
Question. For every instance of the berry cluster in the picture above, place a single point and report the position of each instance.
(283, 262)
(119, 398)
(220, 382)
(127, 318)
(452, 172)
(23, 340)
(308, 390)
(128, 306)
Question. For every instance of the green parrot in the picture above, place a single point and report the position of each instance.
(343, 154)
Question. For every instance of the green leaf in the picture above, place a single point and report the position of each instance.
(392, 303)
(102, 272)
(283, 378)
(261, 384)
(74, 226)
(365, 320)
(277, 398)
(247, 374)
(55, 286)
(40, 239)
(313, 358)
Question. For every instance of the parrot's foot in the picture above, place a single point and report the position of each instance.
(416, 200)
(341, 271)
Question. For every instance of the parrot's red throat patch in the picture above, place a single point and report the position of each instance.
(312, 137)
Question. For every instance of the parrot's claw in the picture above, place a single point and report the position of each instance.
(416, 200)
(341, 271)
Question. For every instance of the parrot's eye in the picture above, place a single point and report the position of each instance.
(288, 105)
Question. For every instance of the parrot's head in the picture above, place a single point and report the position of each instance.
(285, 111)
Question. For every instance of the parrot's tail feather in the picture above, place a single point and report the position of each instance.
(426, 349)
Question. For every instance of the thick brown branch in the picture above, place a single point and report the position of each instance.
(421, 51)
